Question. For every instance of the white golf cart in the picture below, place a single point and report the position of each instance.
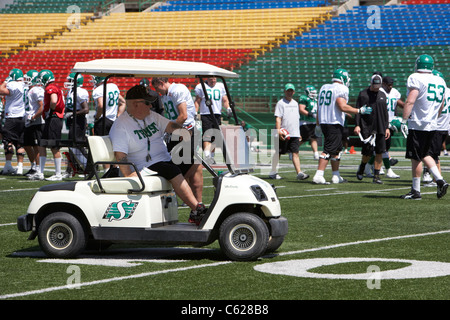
(244, 215)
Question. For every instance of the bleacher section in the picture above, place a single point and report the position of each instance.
(49, 6)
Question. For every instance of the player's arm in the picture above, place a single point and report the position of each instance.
(99, 112)
(409, 104)
(122, 106)
(344, 107)
(182, 113)
(39, 111)
(53, 101)
(3, 90)
(302, 109)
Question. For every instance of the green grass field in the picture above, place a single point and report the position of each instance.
(407, 243)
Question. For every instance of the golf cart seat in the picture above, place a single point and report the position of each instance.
(102, 153)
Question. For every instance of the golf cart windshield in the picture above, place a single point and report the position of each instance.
(235, 148)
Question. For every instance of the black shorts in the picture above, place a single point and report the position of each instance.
(13, 131)
(81, 127)
(418, 144)
(98, 127)
(166, 169)
(33, 135)
(308, 131)
(292, 145)
(208, 123)
(380, 146)
(52, 128)
(332, 134)
(436, 144)
(185, 165)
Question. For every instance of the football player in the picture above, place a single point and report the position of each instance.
(424, 102)
(13, 89)
(179, 106)
(217, 95)
(114, 103)
(34, 101)
(287, 123)
(82, 109)
(308, 113)
(331, 109)
(53, 114)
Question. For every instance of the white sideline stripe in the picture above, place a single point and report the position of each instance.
(91, 283)
(141, 275)
(8, 224)
(339, 245)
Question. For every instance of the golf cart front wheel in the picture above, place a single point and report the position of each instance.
(61, 235)
(243, 237)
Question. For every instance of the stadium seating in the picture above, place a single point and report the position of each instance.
(49, 6)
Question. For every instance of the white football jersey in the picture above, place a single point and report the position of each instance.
(290, 116)
(431, 94)
(82, 96)
(111, 103)
(34, 95)
(15, 101)
(216, 95)
(327, 109)
(392, 98)
(443, 121)
(177, 94)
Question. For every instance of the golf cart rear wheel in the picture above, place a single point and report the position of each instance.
(243, 237)
(61, 235)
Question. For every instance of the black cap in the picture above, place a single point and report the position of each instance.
(141, 92)
(388, 80)
(376, 79)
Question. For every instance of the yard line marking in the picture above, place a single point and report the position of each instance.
(340, 245)
(12, 190)
(8, 224)
(91, 283)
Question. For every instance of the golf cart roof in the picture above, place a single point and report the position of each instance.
(150, 68)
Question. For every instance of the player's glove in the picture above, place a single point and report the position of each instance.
(68, 115)
(229, 113)
(404, 128)
(365, 110)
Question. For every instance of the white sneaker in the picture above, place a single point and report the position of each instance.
(391, 174)
(19, 171)
(66, 175)
(54, 178)
(36, 176)
(427, 177)
(337, 179)
(381, 170)
(368, 170)
(8, 171)
(319, 180)
(275, 176)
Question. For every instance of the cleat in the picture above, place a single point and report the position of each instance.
(54, 177)
(338, 179)
(391, 174)
(197, 215)
(377, 180)
(319, 180)
(442, 187)
(302, 176)
(359, 173)
(413, 195)
(36, 177)
(275, 176)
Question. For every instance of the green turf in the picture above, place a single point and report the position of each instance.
(324, 222)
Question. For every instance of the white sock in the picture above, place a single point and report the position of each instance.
(42, 161)
(319, 173)
(416, 184)
(435, 172)
(58, 166)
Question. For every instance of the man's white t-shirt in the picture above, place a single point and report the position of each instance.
(426, 107)
(290, 116)
(130, 135)
(327, 108)
(111, 103)
(177, 94)
(443, 121)
(15, 102)
(216, 95)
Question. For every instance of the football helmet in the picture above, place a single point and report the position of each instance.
(96, 81)
(45, 77)
(311, 92)
(30, 77)
(15, 75)
(342, 76)
(424, 63)
(70, 80)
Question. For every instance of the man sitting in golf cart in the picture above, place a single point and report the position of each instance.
(137, 137)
